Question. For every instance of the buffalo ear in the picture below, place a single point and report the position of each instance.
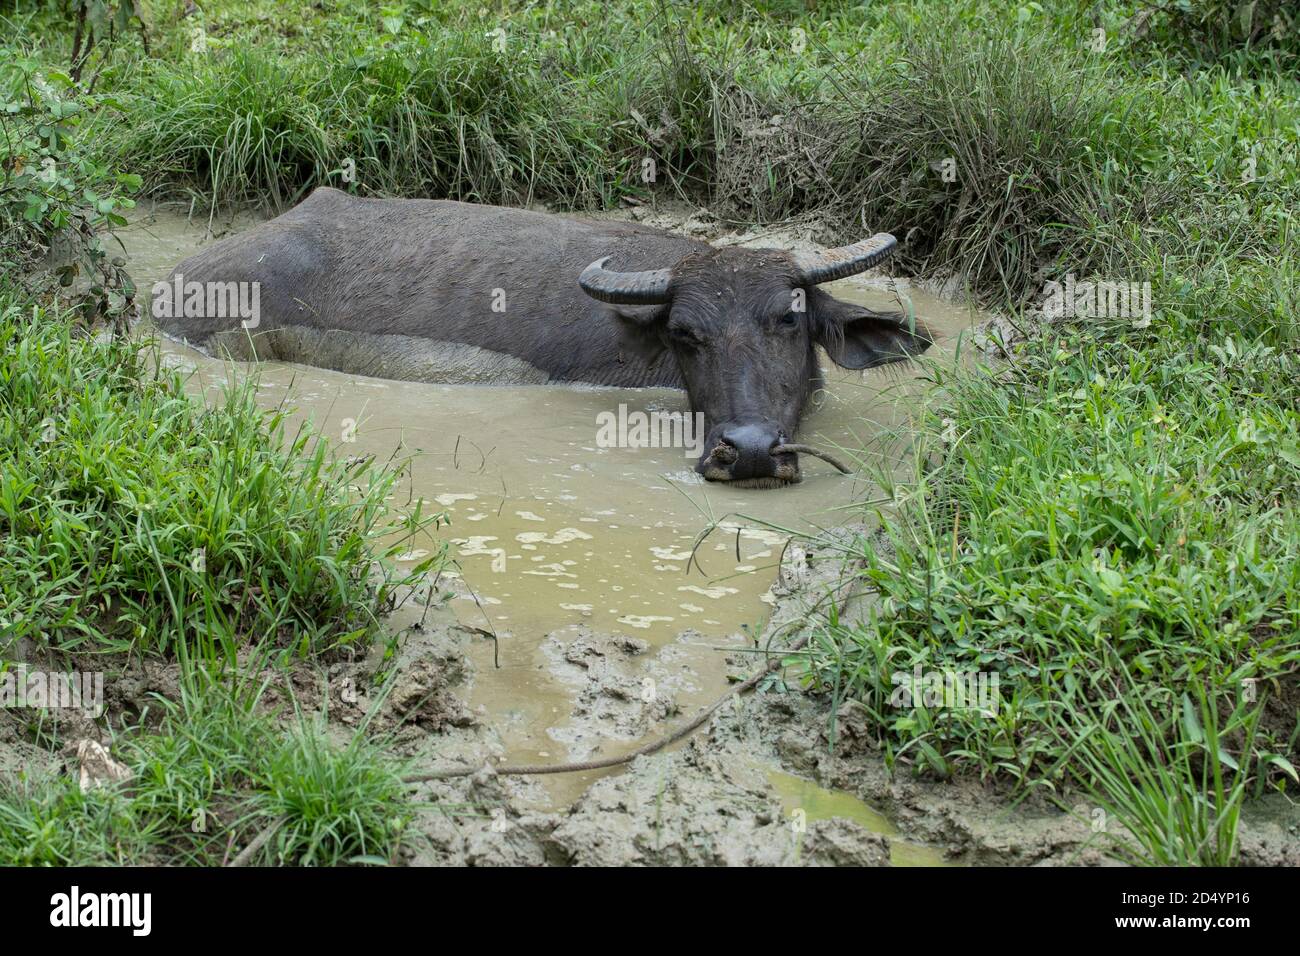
(856, 337)
(640, 332)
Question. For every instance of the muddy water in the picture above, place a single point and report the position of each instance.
(556, 536)
(812, 802)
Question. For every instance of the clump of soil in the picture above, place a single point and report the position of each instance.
(622, 691)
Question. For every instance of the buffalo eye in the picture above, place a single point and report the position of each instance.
(684, 336)
(790, 320)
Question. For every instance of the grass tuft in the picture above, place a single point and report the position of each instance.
(133, 518)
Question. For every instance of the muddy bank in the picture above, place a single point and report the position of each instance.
(759, 784)
(747, 789)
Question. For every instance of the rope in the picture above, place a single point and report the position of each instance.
(816, 453)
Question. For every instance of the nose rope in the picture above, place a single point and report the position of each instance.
(726, 455)
(815, 452)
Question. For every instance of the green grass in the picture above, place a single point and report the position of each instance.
(337, 804)
(1108, 519)
(1178, 801)
(137, 520)
(215, 774)
(437, 113)
(1053, 143)
(134, 518)
(1041, 141)
(1109, 488)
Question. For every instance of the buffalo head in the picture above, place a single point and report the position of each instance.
(743, 326)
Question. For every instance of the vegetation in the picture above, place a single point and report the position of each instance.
(214, 775)
(137, 522)
(56, 201)
(135, 519)
(1106, 517)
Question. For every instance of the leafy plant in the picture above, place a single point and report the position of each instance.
(1176, 790)
(55, 200)
(99, 21)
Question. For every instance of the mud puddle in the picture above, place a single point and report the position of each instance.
(557, 538)
(807, 802)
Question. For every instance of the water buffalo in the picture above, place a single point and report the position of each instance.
(436, 291)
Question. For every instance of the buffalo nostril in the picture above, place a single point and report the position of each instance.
(724, 453)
